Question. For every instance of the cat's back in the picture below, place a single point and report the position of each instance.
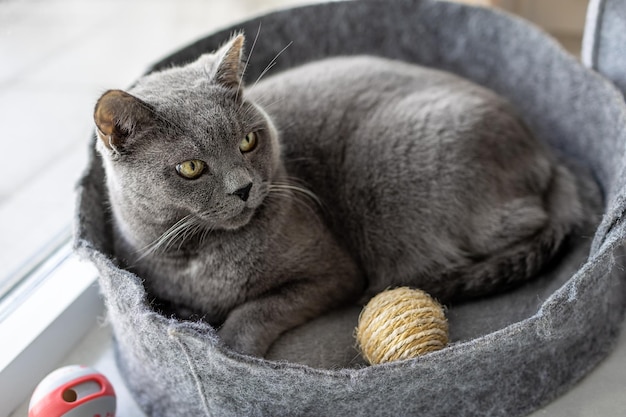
(424, 173)
(381, 132)
(357, 83)
(373, 105)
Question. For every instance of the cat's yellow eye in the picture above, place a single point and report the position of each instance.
(191, 169)
(248, 143)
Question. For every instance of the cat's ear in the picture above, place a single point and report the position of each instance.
(229, 65)
(117, 116)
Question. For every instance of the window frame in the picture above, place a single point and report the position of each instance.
(49, 313)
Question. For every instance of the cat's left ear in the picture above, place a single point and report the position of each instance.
(229, 65)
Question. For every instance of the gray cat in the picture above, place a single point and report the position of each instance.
(261, 208)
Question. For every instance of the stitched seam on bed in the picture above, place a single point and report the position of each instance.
(174, 335)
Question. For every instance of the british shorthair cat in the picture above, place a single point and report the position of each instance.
(261, 207)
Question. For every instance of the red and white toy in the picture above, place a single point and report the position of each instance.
(73, 391)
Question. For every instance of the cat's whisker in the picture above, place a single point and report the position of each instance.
(193, 228)
(296, 198)
(287, 197)
(205, 233)
(154, 245)
(300, 159)
(250, 114)
(167, 238)
(297, 189)
(304, 202)
(246, 64)
(182, 234)
(271, 64)
(296, 180)
(299, 195)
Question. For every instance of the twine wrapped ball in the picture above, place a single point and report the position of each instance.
(401, 323)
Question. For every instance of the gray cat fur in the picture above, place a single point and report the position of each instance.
(513, 352)
(427, 180)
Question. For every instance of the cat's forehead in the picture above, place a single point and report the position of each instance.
(187, 99)
(169, 90)
(197, 104)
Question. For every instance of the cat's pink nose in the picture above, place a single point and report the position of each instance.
(243, 192)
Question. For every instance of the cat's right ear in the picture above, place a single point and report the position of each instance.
(117, 116)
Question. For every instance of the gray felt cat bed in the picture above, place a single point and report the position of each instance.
(511, 353)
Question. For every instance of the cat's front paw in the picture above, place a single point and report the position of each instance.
(244, 336)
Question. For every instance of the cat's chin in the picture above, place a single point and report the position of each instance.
(238, 221)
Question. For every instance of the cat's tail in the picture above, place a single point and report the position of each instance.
(568, 214)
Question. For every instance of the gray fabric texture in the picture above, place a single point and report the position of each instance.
(511, 353)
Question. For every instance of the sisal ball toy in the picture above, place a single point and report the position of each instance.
(401, 323)
(73, 391)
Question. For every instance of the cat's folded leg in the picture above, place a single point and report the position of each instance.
(254, 326)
